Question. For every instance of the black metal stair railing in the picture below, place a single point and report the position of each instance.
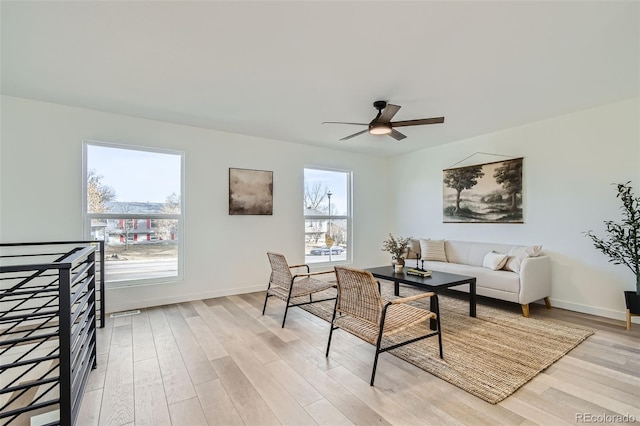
(48, 315)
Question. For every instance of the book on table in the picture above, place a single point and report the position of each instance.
(418, 272)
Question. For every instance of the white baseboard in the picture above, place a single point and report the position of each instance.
(45, 418)
(148, 303)
(125, 306)
(593, 310)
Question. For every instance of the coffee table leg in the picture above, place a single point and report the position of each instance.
(396, 288)
(433, 307)
(472, 298)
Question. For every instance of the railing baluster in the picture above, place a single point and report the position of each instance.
(49, 302)
(65, 347)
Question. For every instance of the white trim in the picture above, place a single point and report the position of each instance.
(322, 266)
(131, 147)
(45, 418)
(348, 218)
(592, 310)
(160, 301)
(320, 217)
(181, 217)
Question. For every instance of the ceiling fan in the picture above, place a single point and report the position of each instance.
(382, 124)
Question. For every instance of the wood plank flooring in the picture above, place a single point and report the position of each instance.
(220, 362)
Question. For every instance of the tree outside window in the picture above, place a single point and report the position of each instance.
(133, 202)
(327, 213)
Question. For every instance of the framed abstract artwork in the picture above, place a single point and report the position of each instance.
(250, 192)
(484, 193)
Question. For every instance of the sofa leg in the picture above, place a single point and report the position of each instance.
(547, 302)
(525, 310)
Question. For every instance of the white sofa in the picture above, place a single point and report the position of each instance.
(525, 279)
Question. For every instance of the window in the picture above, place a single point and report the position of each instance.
(327, 215)
(133, 201)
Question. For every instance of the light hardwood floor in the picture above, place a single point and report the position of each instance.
(220, 362)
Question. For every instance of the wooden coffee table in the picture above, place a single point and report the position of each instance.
(437, 280)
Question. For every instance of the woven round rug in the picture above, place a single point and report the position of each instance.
(489, 356)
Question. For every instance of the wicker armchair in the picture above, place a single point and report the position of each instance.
(361, 311)
(285, 286)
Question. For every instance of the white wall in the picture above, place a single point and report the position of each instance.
(41, 193)
(570, 163)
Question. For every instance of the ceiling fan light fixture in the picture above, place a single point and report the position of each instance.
(380, 129)
(382, 124)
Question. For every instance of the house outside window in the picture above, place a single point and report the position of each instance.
(133, 201)
(327, 215)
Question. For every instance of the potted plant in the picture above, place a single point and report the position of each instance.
(397, 247)
(622, 243)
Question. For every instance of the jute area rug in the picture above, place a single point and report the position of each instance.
(489, 356)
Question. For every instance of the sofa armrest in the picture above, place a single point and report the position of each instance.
(535, 279)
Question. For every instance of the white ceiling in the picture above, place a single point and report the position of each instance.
(279, 69)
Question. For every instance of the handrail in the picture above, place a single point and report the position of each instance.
(55, 251)
(55, 302)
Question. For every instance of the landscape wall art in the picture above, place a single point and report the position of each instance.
(484, 193)
(250, 192)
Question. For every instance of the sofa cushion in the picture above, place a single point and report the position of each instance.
(414, 249)
(472, 253)
(500, 280)
(494, 260)
(433, 250)
(517, 254)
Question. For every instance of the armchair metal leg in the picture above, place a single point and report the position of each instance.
(437, 312)
(331, 329)
(285, 313)
(264, 308)
(378, 343)
(375, 360)
(375, 365)
(286, 308)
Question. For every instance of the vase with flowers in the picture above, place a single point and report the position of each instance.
(398, 249)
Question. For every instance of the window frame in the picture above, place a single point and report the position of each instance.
(348, 217)
(180, 217)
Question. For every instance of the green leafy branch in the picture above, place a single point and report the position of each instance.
(622, 243)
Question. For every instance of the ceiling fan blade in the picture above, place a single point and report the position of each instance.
(435, 120)
(355, 134)
(344, 122)
(396, 135)
(387, 113)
